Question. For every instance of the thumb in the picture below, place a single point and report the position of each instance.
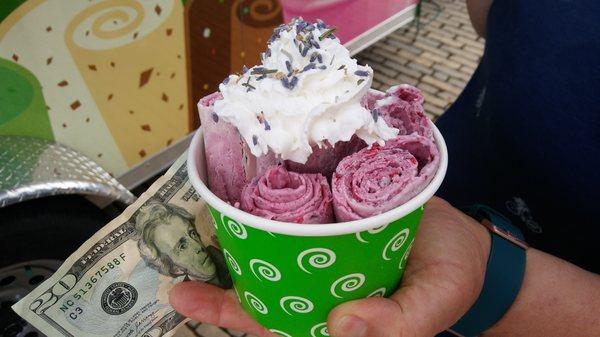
(372, 317)
(423, 310)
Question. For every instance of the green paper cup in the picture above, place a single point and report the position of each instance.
(289, 276)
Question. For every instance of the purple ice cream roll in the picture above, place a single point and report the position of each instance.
(324, 160)
(380, 178)
(230, 164)
(281, 195)
(401, 107)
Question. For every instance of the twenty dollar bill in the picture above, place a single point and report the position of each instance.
(117, 282)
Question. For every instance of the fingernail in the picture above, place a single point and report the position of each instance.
(351, 326)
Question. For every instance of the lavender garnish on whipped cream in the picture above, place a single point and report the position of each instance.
(307, 91)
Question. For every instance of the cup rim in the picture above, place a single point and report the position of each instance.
(331, 229)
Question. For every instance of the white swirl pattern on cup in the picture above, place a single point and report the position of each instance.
(256, 303)
(347, 284)
(319, 330)
(296, 304)
(317, 258)
(280, 333)
(378, 293)
(232, 226)
(232, 262)
(395, 243)
(265, 269)
(405, 256)
(370, 231)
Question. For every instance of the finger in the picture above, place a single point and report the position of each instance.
(209, 304)
(371, 317)
(410, 312)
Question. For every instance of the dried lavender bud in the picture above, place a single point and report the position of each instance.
(268, 52)
(262, 71)
(293, 82)
(300, 26)
(226, 80)
(320, 58)
(249, 87)
(267, 126)
(323, 67)
(313, 57)
(343, 66)
(288, 65)
(215, 117)
(244, 69)
(327, 34)
(254, 140)
(309, 28)
(285, 82)
(276, 34)
(315, 44)
(304, 52)
(363, 73)
(262, 77)
(309, 67)
(375, 114)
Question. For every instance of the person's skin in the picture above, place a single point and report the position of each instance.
(443, 278)
(478, 11)
(182, 245)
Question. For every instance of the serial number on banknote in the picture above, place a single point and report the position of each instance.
(95, 277)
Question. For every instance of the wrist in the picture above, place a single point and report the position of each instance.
(503, 276)
(483, 242)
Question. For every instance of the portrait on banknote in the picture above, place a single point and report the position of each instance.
(169, 243)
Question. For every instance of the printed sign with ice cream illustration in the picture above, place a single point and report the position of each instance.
(107, 77)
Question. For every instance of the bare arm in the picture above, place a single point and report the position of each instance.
(478, 11)
(556, 299)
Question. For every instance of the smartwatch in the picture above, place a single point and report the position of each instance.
(503, 277)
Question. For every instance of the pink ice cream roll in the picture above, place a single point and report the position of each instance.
(378, 179)
(289, 196)
(401, 107)
(324, 160)
(229, 162)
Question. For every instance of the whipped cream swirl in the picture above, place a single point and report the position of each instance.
(306, 92)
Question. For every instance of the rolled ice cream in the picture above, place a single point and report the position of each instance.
(377, 179)
(289, 196)
(230, 164)
(275, 134)
(401, 107)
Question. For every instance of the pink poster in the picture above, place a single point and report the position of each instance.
(351, 17)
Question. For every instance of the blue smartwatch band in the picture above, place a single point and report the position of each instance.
(503, 276)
